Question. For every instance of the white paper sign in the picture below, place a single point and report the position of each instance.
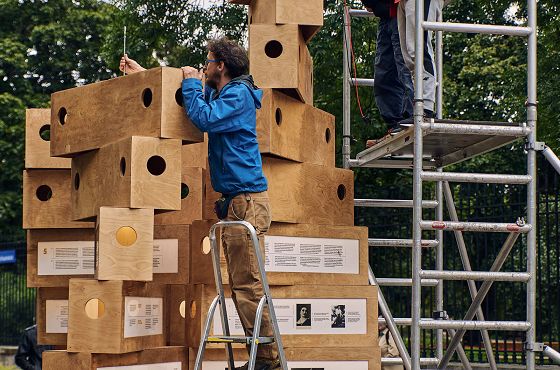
(308, 316)
(320, 255)
(142, 316)
(57, 316)
(299, 365)
(76, 257)
(166, 256)
(65, 258)
(160, 366)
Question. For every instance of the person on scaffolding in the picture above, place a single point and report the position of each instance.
(393, 87)
(226, 109)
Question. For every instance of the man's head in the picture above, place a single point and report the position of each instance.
(226, 60)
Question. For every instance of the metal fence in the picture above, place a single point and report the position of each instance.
(506, 301)
(17, 302)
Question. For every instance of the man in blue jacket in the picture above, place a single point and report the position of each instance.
(226, 110)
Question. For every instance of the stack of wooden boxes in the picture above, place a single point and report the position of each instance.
(118, 222)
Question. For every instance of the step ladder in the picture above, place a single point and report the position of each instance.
(265, 301)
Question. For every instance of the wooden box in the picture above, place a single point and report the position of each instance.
(176, 303)
(279, 59)
(52, 316)
(137, 172)
(162, 358)
(307, 14)
(47, 202)
(344, 358)
(338, 316)
(195, 155)
(37, 141)
(124, 247)
(200, 250)
(288, 129)
(54, 256)
(115, 316)
(191, 199)
(302, 254)
(147, 103)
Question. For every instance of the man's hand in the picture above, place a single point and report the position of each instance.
(131, 65)
(190, 72)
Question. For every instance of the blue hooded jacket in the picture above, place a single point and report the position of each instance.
(230, 118)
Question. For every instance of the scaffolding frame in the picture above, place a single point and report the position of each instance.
(407, 150)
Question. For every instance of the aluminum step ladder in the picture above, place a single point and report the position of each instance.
(220, 300)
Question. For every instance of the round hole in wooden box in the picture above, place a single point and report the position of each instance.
(206, 247)
(95, 308)
(147, 97)
(156, 165)
(45, 132)
(182, 308)
(273, 49)
(179, 97)
(62, 115)
(44, 193)
(184, 190)
(341, 192)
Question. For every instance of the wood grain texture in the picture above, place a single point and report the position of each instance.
(106, 333)
(55, 211)
(372, 355)
(118, 175)
(34, 237)
(191, 204)
(107, 111)
(57, 360)
(38, 150)
(115, 261)
(182, 233)
(176, 297)
(200, 297)
(202, 271)
(43, 295)
(280, 59)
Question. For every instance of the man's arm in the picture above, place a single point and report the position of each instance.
(23, 353)
(217, 116)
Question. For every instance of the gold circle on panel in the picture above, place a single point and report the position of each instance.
(126, 236)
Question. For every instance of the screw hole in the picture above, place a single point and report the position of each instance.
(179, 97)
(44, 193)
(341, 192)
(95, 308)
(45, 132)
(62, 115)
(147, 97)
(278, 116)
(328, 135)
(123, 166)
(184, 190)
(156, 165)
(77, 181)
(273, 49)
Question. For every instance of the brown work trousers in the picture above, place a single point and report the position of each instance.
(243, 270)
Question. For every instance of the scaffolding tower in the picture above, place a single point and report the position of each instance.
(427, 147)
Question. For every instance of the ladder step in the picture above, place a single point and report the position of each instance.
(392, 203)
(424, 361)
(400, 243)
(477, 28)
(475, 129)
(475, 325)
(360, 13)
(475, 177)
(404, 282)
(239, 339)
(475, 226)
(475, 275)
(362, 82)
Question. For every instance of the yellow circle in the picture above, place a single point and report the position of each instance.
(95, 308)
(206, 245)
(193, 309)
(182, 309)
(126, 236)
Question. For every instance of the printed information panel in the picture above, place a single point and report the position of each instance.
(308, 316)
(160, 366)
(56, 311)
(142, 316)
(76, 257)
(299, 365)
(320, 255)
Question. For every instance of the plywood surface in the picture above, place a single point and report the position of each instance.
(37, 141)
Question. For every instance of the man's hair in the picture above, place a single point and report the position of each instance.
(232, 54)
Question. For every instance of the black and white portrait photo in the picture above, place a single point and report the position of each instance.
(338, 316)
(303, 315)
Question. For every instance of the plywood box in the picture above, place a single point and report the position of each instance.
(54, 256)
(162, 358)
(176, 301)
(46, 200)
(52, 316)
(137, 172)
(147, 103)
(344, 358)
(289, 129)
(191, 199)
(115, 316)
(124, 247)
(37, 141)
(337, 316)
(307, 14)
(301, 254)
(279, 59)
